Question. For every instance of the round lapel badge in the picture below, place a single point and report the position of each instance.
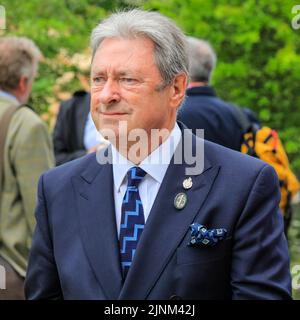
(187, 183)
(180, 200)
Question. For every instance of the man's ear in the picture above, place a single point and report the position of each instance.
(178, 88)
(23, 84)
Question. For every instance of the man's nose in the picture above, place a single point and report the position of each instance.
(110, 93)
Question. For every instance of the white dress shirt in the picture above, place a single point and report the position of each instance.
(91, 135)
(155, 165)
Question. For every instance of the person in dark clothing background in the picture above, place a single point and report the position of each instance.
(75, 134)
(202, 108)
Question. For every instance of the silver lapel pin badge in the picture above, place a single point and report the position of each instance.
(187, 183)
(180, 200)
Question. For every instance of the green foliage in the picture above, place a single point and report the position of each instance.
(294, 245)
(258, 56)
(71, 23)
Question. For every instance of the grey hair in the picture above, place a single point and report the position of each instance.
(19, 56)
(202, 59)
(170, 46)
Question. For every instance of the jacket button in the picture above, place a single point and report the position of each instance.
(174, 297)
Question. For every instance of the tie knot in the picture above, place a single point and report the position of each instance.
(135, 175)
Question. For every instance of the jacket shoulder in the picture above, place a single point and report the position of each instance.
(27, 117)
(25, 124)
(74, 166)
(60, 175)
(233, 160)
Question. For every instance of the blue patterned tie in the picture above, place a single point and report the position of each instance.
(132, 221)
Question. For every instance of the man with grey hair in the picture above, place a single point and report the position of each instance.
(202, 109)
(25, 151)
(135, 227)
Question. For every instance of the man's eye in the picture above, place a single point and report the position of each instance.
(128, 80)
(98, 80)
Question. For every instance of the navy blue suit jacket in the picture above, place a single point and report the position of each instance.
(202, 109)
(75, 251)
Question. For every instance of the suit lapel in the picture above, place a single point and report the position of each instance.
(166, 227)
(163, 233)
(96, 210)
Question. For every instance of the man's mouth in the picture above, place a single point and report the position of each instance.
(113, 114)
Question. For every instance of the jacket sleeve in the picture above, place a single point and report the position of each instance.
(260, 259)
(32, 154)
(42, 281)
(61, 141)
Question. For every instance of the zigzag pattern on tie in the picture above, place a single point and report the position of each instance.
(134, 176)
(132, 220)
(137, 227)
(126, 264)
(129, 263)
(136, 212)
(129, 189)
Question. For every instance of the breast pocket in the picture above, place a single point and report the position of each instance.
(203, 254)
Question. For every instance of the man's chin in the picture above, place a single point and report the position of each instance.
(113, 133)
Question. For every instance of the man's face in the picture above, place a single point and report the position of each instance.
(124, 87)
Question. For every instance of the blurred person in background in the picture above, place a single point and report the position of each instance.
(202, 108)
(75, 134)
(25, 153)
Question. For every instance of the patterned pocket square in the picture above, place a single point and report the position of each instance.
(200, 235)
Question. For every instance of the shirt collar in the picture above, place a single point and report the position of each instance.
(156, 164)
(8, 96)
